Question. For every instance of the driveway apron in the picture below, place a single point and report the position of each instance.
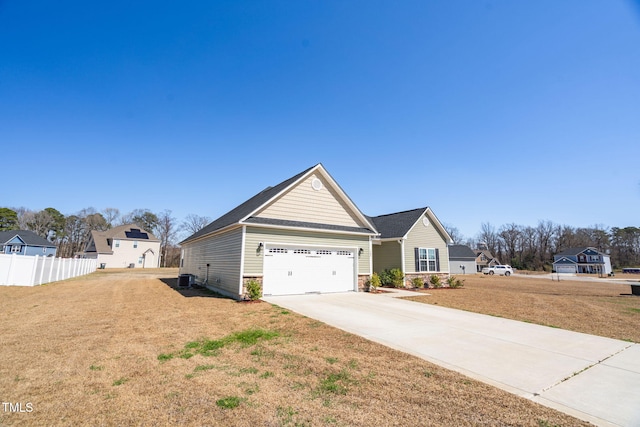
(592, 378)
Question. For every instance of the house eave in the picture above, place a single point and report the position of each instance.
(311, 229)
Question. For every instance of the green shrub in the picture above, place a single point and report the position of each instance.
(417, 282)
(386, 279)
(254, 290)
(397, 278)
(374, 282)
(435, 281)
(454, 282)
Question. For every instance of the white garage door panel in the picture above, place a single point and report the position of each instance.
(299, 270)
(566, 269)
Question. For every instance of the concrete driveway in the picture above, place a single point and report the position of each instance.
(592, 378)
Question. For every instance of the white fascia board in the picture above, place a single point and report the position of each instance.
(433, 216)
(315, 230)
(393, 239)
(213, 233)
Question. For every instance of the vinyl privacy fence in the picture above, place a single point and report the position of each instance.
(24, 270)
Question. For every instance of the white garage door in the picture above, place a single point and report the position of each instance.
(566, 269)
(292, 270)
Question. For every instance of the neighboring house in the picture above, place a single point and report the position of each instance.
(582, 260)
(24, 242)
(413, 241)
(484, 259)
(462, 260)
(305, 235)
(124, 246)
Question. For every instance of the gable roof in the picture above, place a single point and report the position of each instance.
(397, 225)
(243, 213)
(577, 251)
(129, 232)
(564, 260)
(100, 239)
(461, 251)
(28, 237)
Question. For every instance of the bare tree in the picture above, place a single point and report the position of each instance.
(511, 237)
(111, 216)
(489, 237)
(454, 233)
(167, 231)
(546, 232)
(194, 223)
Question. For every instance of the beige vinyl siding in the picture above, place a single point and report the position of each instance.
(387, 256)
(425, 237)
(255, 235)
(223, 253)
(303, 203)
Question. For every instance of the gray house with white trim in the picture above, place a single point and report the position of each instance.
(25, 242)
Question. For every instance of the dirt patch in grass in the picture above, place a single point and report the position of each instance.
(127, 348)
(598, 308)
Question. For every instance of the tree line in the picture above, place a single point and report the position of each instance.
(532, 248)
(523, 247)
(70, 233)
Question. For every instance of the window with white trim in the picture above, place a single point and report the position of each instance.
(302, 251)
(135, 244)
(427, 259)
(116, 243)
(16, 249)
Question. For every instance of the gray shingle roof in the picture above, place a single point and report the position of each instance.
(575, 251)
(396, 224)
(29, 237)
(460, 252)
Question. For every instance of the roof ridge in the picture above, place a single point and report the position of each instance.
(401, 212)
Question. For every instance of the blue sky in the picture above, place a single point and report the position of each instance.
(486, 111)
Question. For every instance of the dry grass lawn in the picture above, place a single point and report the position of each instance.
(605, 309)
(126, 348)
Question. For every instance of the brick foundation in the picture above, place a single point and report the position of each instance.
(426, 276)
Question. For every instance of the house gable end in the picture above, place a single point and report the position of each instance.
(431, 220)
(313, 197)
(17, 240)
(564, 260)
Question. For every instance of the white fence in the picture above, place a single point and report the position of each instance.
(24, 270)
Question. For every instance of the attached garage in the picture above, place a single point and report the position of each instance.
(299, 270)
(566, 269)
(304, 235)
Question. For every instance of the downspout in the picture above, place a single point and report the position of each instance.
(401, 241)
(242, 252)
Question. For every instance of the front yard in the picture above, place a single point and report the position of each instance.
(126, 348)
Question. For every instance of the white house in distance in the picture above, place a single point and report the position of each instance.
(126, 246)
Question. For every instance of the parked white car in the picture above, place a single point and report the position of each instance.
(500, 270)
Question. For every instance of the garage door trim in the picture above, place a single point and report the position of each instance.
(338, 276)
